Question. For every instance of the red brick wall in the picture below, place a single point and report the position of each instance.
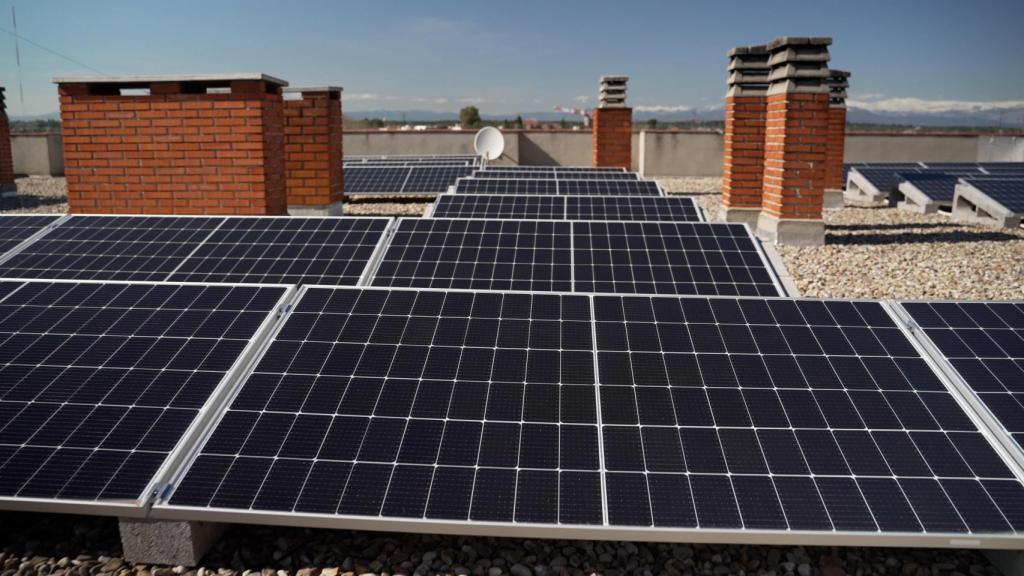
(313, 149)
(796, 136)
(6, 161)
(743, 160)
(835, 148)
(612, 137)
(171, 152)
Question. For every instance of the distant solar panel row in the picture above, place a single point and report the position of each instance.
(99, 381)
(551, 187)
(402, 179)
(556, 169)
(581, 256)
(435, 160)
(646, 208)
(703, 417)
(202, 249)
(555, 175)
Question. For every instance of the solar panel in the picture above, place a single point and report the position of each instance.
(403, 180)
(437, 160)
(499, 206)
(884, 179)
(557, 187)
(937, 186)
(1009, 192)
(996, 167)
(285, 250)
(688, 419)
(581, 256)
(648, 208)
(375, 180)
(505, 186)
(428, 179)
(445, 406)
(99, 382)
(556, 169)
(968, 167)
(480, 254)
(553, 175)
(821, 416)
(609, 187)
(982, 343)
(16, 228)
(111, 248)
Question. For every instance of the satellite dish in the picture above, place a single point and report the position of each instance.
(489, 143)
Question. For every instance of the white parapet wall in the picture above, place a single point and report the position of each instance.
(655, 152)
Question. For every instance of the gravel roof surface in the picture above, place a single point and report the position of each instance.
(870, 253)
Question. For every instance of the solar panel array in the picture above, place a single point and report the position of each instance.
(16, 228)
(99, 381)
(793, 417)
(551, 187)
(582, 256)
(402, 179)
(207, 249)
(647, 208)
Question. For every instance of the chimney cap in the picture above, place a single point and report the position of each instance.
(756, 49)
(299, 89)
(155, 78)
(839, 73)
(614, 79)
(783, 41)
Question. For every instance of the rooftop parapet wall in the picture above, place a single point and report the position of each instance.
(185, 144)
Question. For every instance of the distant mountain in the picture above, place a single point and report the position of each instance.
(1004, 117)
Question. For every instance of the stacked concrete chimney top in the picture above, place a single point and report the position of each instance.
(748, 71)
(613, 92)
(837, 82)
(798, 64)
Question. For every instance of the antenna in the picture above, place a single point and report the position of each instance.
(489, 143)
(17, 59)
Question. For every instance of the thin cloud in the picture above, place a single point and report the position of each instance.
(472, 100)
(582, 98)
(919, 105)
(664, 108)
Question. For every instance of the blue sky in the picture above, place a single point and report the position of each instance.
(521, 55)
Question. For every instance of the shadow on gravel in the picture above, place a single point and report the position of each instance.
(929, 238)
(23, 202)
(908, 226)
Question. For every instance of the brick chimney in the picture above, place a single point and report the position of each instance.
(190, 144)
(612, 136)
(838, 82)
(796, 137)
(7, 184)
(313, 150)
(745, 112)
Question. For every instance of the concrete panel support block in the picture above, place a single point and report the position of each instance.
(169, 542)
(790, 232)
(332, 209)
(748, 216)
(833, 199)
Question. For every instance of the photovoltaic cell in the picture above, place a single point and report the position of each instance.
(446, 406)
(983, 342)
(288, 250)
(111, 248)
(99, 381)
(786, 415)
(581, 256)
(647, 208)
(16, 228)
(406, 179)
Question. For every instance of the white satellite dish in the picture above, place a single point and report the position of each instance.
(489, 143)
